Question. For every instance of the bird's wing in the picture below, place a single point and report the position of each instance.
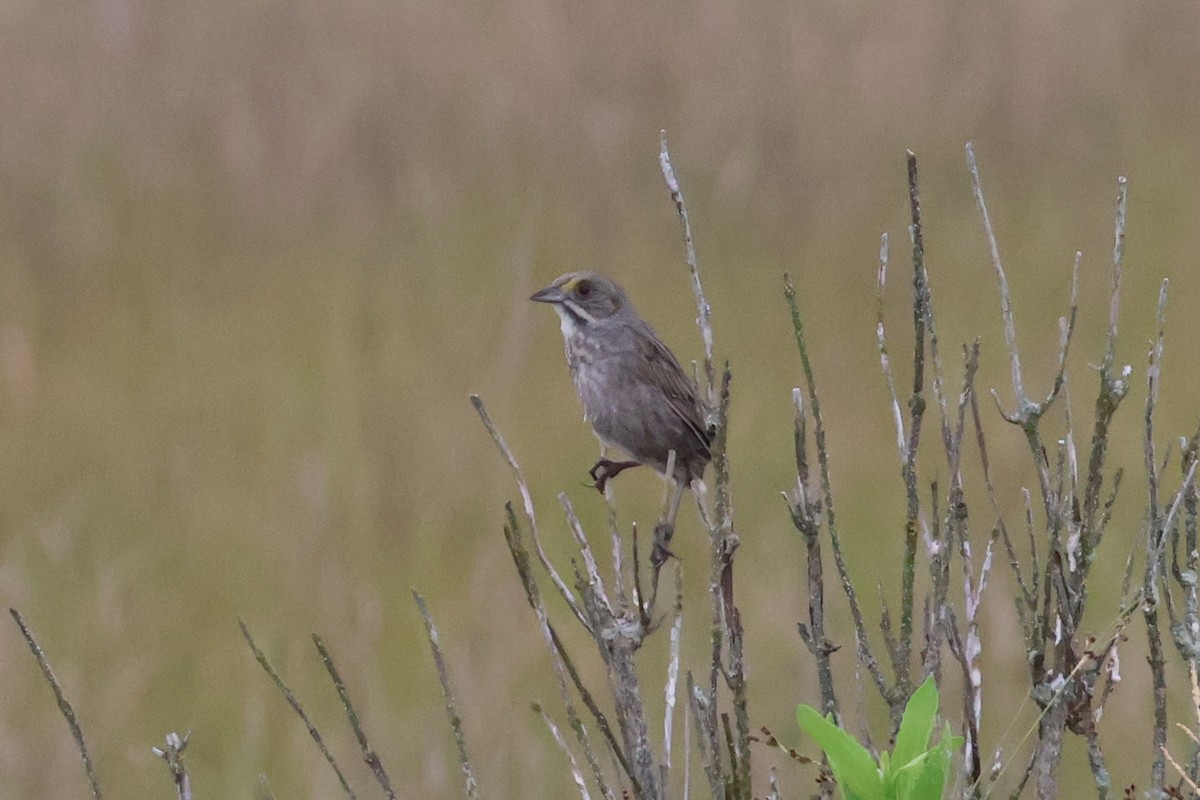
(676, 386)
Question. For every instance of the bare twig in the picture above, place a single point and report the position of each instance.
(561, 741)
(64, 705)
(1010, 328)
(618, 560)
(773, 779)
(671, 689)
(967, 650)
(295, 704)
(595, 582)
(1114, 305)
(618, 633)
(369, 755)
(172, 754)
(1052, 603)
(860, 630)
(1027, 412)
(727, 629)
(704, 310)
(805, 512)
(687, 749)
(708, 738)
(916, 409)
(527, 498)
(1182, 773)
(563, 666)
(884, 359)
(1156, 535)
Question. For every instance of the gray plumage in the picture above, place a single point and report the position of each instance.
(635, 394)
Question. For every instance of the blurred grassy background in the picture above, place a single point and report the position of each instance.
(255, 255)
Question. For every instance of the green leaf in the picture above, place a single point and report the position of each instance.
(951, 743)
(852, 764)
(930, 779)
(898, 779)
(916, 726)
(925, 777)
(912, 771)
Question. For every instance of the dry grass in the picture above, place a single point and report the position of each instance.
(254, 257)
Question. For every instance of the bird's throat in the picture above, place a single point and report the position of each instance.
(571, 318)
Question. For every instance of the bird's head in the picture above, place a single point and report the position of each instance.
(582, 298)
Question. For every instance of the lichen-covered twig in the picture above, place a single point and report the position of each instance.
(902, 650)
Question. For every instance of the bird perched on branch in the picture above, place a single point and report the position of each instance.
(635, 395)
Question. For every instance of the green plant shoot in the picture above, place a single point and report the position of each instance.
(912, 771)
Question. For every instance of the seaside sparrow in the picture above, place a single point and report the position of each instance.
(635, 395)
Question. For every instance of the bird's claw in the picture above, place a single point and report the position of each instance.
(662, 538)
(605, 470)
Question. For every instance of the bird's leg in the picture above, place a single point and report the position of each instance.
(700, 492)
(666, 529)
(605, 470)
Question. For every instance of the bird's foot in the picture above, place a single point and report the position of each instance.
(605, 470)
(662, 540)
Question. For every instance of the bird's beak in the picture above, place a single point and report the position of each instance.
(551, 294)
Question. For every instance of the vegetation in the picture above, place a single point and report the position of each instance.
(1072, 675)
(256, 257)
(912, 770)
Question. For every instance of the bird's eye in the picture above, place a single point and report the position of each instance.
(584, 288)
